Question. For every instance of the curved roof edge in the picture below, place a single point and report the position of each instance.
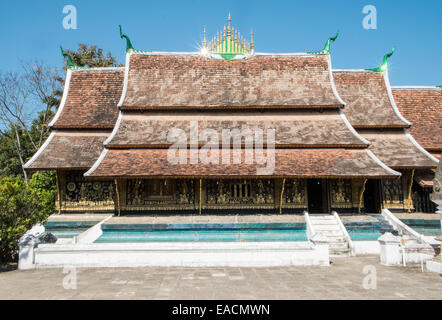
(126, 79)
(352, 130)
(332, 81)
(67, 83)
(392, 102)
(418, 146)
(97, 163)
(115, 129)
(383, 165)
(40, 150)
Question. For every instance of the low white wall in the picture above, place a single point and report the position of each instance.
(245, 254)
(434, 266)
(366, 247)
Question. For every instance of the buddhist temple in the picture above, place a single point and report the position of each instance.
(230, 130)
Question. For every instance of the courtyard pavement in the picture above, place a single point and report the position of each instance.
(344, 279)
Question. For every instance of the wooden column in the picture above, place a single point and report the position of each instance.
(361, 195)
(57, 179)
(282, 194)
(117, 190)
(409, 200)
(201, 196)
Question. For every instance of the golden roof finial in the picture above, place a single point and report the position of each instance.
(252, 43)
(228, 41)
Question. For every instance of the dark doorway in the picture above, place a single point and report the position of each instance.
(372, 203)
(315, 190)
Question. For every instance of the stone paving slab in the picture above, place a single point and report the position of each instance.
(357, 218)
(418, 215)
(78, 217)
(344, 279)
(157, 219)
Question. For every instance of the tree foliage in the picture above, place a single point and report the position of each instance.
(91, 56)
(21, 206)
(28, 101)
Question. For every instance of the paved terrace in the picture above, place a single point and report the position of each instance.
(164, 219)
(342, 280)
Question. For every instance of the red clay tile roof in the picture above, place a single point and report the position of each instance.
(367, 101)
(296, 128)
(261, 81)
(92, 99)
(69, 150)
(394, 148)
(423, 107)
(303, 163)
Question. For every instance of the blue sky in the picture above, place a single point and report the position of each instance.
(34, 30)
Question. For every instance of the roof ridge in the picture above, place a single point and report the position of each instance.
(437, 88)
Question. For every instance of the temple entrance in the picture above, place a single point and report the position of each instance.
(317, 201)
(372, 196)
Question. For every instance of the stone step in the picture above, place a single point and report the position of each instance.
(337, 240)
(322, 219)
(340, 254)
(339, 246)
(324, 222)
(331, 232)
(330, 227)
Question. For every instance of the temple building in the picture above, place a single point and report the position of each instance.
(230, 130)
(422, 105)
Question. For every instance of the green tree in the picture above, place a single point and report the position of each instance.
(21, 206)
(91, 56)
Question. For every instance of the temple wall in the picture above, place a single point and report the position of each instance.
(77, 194)
(396, 193)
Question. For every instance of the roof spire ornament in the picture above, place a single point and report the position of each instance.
(252, 43)
(129, 46)
(327, 45)
(228, 44)
(67, 55)
(384, 66)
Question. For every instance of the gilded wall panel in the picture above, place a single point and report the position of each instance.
(81, 194)
(295, 193)
(340, 193)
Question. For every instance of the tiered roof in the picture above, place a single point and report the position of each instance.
(423, 106)
(298, 95)
(83, 120)
(372, 110)
(192, 81)
(294, 95)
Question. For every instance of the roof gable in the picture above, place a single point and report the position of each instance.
(90, 98)
(368, 99)
(422, 106)
(177, 81)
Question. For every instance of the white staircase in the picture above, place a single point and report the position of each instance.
(329, 226)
